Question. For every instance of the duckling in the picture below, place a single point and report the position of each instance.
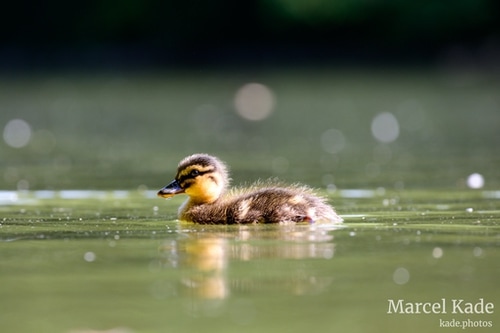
(205, 179)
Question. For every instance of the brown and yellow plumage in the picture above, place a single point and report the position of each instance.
(205, 180)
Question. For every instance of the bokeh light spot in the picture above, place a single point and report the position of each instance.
(332, 141)
(385, 127)
(401, 275)
(437, 252)
(475, 180)
(89, 256)
(254, 101)
(477, 251)
(17, 133)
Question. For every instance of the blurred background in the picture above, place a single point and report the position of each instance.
(334, 93)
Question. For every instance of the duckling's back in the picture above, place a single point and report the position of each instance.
(279, 204)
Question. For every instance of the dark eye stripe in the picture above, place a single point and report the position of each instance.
(182, 179)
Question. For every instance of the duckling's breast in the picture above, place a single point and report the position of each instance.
(209, 213)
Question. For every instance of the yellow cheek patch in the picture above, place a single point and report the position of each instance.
(202, 189)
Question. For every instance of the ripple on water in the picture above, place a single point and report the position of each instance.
(32, 197)
(8, 197)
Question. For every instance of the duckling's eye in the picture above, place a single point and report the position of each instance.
(194, 173)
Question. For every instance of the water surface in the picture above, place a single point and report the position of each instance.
(79, 260)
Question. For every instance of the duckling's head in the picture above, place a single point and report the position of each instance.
(202, 177)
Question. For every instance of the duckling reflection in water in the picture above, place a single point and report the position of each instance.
(204, 259)
(205, 180)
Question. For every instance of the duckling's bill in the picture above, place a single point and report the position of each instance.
(170, 190)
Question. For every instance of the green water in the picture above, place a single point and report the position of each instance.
(86, 245)
(120, 260)
(124, 131)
